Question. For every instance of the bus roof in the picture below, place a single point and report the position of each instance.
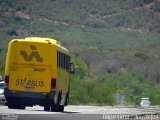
(44, 40)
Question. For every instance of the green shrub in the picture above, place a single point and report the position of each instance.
(156, 7)
(2, 68)
(141, 55)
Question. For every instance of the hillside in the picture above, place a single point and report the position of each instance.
(114, 43)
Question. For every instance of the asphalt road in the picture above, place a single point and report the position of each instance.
(81, 113)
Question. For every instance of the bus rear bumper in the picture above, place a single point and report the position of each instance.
(28, 98)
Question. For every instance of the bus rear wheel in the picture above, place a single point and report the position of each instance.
(57, 108)
(16, 106)
(46, 108)
(61, 108)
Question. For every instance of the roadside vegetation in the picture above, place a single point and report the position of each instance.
(114, 44)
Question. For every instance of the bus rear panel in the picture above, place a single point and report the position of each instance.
(32, 75)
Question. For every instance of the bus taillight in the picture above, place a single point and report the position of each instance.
(53, 83)
(6, 80)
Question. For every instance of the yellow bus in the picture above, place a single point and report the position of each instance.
(37, 72)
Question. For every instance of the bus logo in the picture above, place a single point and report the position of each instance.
(34, 54)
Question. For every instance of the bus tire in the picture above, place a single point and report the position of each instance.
(22, 107)
(15, 106)
(61, 108)
(46, 108)
(11, 106)
(57, 108)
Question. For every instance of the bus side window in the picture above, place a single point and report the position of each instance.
(63, 61)
(57, 59)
